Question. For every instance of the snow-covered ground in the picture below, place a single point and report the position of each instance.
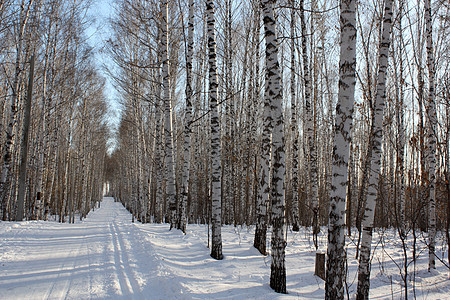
(108, 257)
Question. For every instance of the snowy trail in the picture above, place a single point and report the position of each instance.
(106, 256)
(97, 258)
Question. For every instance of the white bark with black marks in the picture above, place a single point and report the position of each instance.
(169, 152)
(273, 94)
(188, 119)
(335, 272)
(372, 193)
(431, 137)
(216, 211)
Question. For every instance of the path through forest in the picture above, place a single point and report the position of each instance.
(106, 256)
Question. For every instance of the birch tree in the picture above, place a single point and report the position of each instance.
(216, 248)
(311, 160)
(262, 195)
(372, 194)
(431, 137)
(334, 288)
(169, 152)
(188, 118)
(294, 129)
(273, 94)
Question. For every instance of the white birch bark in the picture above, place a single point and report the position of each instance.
(169, 153)
(294, 128)
(344, 110)
(311, 160)
(273, 94)
(372, 194)
(216, 211)
(401, 129)
(262, 195)
(158, 165)
(431, 137)
(188, 119)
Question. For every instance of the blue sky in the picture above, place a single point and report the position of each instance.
(98, 33)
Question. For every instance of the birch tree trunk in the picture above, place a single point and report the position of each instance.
(169, 153)
(188, 119)
(335, 271)
(431, 135)
(273, 95)
(262, 195)
(294, 128)
(311, 160)
(216, 210)
(401, 130)
(372, 195)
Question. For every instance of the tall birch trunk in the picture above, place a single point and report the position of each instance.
(216, 211)
(169, 153)
(335, 271)
(188, 119)
(400, 131)
(158, 164)
(262, 195)
(273, 95)
(294, 128)
(311, 160)
(372, 194)
(431, 135)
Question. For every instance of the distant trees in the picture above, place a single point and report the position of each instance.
(67, 130)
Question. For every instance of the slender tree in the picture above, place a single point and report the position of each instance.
(188, 118)
(216, 248)
(373, 195)
(262, 195)
(335, 270)
(294, 128)
(169, 151)
(431, 137)
(273, 92)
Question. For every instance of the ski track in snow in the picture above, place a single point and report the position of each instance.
(106, 256)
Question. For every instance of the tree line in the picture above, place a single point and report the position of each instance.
(53, 133)
(266, 113)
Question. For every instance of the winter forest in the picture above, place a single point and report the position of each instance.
(323, 119)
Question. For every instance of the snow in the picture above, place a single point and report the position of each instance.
(106, 256)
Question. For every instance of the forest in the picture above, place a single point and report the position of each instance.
(331, 116)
